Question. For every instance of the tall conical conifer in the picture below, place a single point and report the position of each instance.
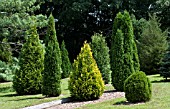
(86, 81)
(28, 80)
(52, 62)
(66, 64)
(129, 56)
(101, 55)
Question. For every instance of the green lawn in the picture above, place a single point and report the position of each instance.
(9, 99)
(160, 98)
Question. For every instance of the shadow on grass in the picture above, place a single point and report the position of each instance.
(127, 103)
(161, 81)
(6, 89)
(29, 98)
(9, 95)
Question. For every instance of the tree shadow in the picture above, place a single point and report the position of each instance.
(127, 103)
(6, 89)
(9, 95)
(66, 100)
(29, 98)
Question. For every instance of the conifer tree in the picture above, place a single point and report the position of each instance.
(117, 60)
(86, 81)
(28, 79)
(15, 19)
(52, 62)
(165, 66)
(129, 54)
(152, 46)
(66, 65)
(102, 56)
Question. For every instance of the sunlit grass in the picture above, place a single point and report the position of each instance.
(9, 99)
(160, 98)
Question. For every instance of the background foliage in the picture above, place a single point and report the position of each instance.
(101, 55)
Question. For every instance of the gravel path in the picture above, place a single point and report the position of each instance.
(107, 95)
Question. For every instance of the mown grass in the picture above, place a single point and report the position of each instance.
(9, 99)
(160, 98)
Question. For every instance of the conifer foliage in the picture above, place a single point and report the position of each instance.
(152, 46)
(124, 57)
(66, 65)
(137, 87)
(86, 81)
(5, 51)
(28, 79)
(165, 66)
(52, 62)
(102, 56)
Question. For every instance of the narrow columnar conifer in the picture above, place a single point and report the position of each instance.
(123, 26)
(86, 81)
(52, 62)
(101, 55)
(66, 64)
(28, 80)
(118, 62)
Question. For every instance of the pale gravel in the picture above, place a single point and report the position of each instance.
(107, 95)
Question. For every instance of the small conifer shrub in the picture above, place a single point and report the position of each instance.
(101, 55)
(66, 64)
(28, 79)
(137, 88)
(86, 81)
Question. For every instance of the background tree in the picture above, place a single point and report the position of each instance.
(66, 65)
(165, 66)
(130, 57)
(117, 59)
(162, 10)
(28, 80)
(15, 18)
(5, 51)
(152, 46)
(102, 56)
(86, 81)
(52, 62)
(138, 26)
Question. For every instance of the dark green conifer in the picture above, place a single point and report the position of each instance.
(52, 62)
(129, 57)
(102, 56)
(66, 64)
(152, 46)
(118, 60)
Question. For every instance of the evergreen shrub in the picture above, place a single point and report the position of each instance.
(66, 64)
(101, 55)
(86, 81)
(28, 80)
(138, 88)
